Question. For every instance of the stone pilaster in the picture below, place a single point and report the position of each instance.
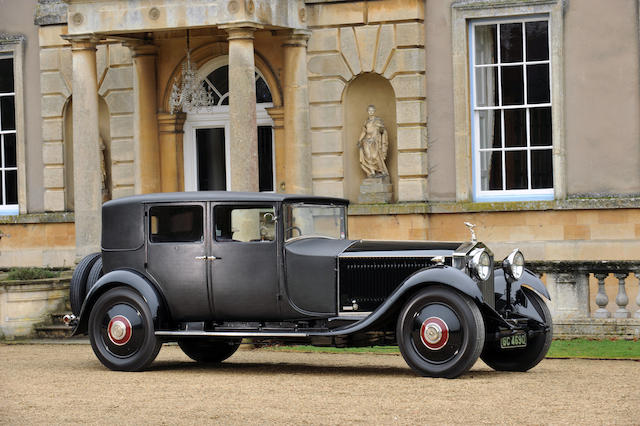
(86, 147)
(147, 157)
(277, 115)
(297, 133)
(242, 108)
(171, 151)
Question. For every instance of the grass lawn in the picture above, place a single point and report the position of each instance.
(577, 348)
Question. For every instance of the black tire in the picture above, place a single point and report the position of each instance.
(522, 359)
(94, 275)
(121, 331)
(78, 285)
(440, 332)
(207, 350)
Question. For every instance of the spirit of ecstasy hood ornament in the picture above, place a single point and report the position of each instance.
(473, 233)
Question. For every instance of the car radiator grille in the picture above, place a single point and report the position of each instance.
(369, 281)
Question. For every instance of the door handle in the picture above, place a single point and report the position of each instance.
(201, 257)
(207, 258)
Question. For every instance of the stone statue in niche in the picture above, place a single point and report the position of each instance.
(373, 145)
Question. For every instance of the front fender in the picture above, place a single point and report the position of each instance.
(519, 293)
(125, 278)
(437, 275)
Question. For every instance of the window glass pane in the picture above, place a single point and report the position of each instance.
(489, 126)
(11, 181)
(2, 202)
(8, 113)
(9, 150)
(176, 224)
(265, 158)
(212, 175)
(6, 75)
(486, 48)
(538, 84)
(263, 94)
(219, 78)
(516, 169)
(245, 224)
(541, 169)
(487, 86)
(512, 85)
(511, 42)
(540, 122)
(537, 41)
(491, 166)
(313, 220)
(515, 127)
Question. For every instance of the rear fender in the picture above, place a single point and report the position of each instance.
(123, 278)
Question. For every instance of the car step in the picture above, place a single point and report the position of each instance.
(198, 333)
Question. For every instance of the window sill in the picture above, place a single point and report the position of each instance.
(58, 217)
(473, 207)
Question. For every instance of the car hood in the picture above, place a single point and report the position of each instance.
(375, 248)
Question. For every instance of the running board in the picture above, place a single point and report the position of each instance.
(229, 334)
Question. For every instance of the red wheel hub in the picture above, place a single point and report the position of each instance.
(119, 330)
(434, 333)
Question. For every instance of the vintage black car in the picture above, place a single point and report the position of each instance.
(208, 269)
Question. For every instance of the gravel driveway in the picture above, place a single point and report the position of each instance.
(45, 384)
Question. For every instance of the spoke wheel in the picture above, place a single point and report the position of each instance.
(208, 350)
(121, 331)
(522, 359)
(440, 332)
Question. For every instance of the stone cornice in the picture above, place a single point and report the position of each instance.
(6, 38)
(485, 4)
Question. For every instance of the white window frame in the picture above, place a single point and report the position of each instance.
(462, 13)
(218, 117)
(506, 194)
(14, 48)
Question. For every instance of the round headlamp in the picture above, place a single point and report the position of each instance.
(480, 264)
(513, 265)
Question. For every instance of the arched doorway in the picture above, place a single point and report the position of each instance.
(206, 134)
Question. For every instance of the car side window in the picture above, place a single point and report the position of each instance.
(245, 223)
(175, 224)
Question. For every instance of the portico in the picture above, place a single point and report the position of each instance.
(266, 40)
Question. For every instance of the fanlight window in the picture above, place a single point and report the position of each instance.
(217, 82)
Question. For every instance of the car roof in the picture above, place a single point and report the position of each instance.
(223, 196)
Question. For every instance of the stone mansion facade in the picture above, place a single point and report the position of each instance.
(522, 116)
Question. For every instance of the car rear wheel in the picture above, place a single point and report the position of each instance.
(207, 350)
(121, 331)
(78, 285)
(522, 359)
(440, 332)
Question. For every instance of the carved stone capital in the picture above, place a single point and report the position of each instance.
(241, 30)
(82, 42)
(297, 38)
(141, 48)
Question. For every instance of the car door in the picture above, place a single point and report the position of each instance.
(244, 261)
(176, 257)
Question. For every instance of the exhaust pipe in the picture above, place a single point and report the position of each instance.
(69, 319)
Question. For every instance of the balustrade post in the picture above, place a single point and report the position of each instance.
(622, 300)
(602, 300)
(637, 314)
(569, 293)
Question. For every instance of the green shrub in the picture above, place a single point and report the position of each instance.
(22, 274)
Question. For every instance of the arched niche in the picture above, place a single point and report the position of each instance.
(367, 89)
(104, 126)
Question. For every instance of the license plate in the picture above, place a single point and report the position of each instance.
(518, 340)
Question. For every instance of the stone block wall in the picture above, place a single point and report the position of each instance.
(348, 40)
(115, 79)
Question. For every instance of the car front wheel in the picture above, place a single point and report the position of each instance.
(207, 350)
(440, 332)
(121, 331)
(522, 359)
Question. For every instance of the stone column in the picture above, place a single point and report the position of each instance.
(242, 108)
(277, 115)
(147, 154)
(86, 148)
(171, 151)
(297, 133)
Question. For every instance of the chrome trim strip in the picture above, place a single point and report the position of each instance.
(347, 314)
(229, 334)
(389, 254)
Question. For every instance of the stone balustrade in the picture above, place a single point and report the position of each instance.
(582, 297)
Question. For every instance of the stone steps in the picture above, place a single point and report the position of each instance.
(54, 327)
